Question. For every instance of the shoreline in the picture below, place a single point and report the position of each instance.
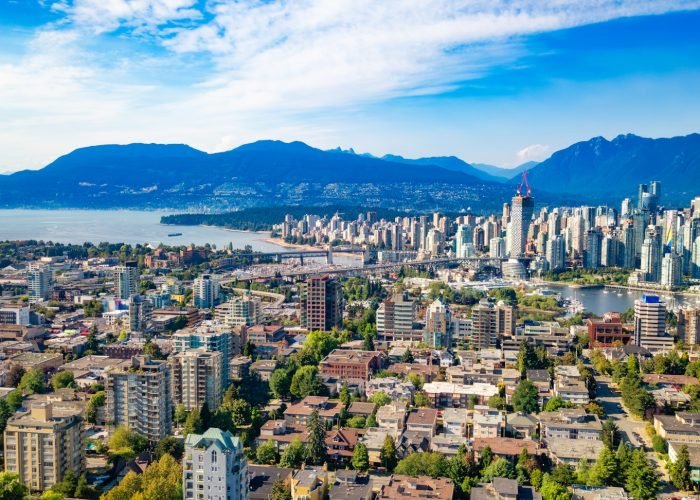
(615, 286)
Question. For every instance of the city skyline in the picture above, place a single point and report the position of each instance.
(468, 81)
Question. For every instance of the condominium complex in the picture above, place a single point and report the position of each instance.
(205, 291)
(196, 377)
(520, 218)
(138, 397)
(396, 317)
(38, 282)
(438, 325)
(214, 467)
(689, 325)
(244, 310)
(126, 280)
(210, 335)
(491, 322)
(320, 301)
(140, 313)
(43, 444)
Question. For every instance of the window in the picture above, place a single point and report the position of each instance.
(213, 456)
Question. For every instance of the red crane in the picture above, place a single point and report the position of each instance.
(524, 184)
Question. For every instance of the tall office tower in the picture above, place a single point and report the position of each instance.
(695, 259)
(140, 313)
(655, 191)
(138, 397)
(196, 378)
(608, 251)
(215, 467)
(415, 234)
(244, 310)
(591, 254)
(126, 280)
(43, 444)
(463, 238)
(553, 224)
(396, 317)
(437, 325)
(212, 336)
(497, 248)
(649, 318)
(205, 291)
(626, 251)
(15, 314)
(38, 283)
(396, 234)
(522, 208)
(689, 325)
(651, 256)
(640, 222)
(626, 208)
(556, 253)
(320, 303)
(671, 269)
(505, 215)
(588, 214)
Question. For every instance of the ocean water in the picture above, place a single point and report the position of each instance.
(118, 226)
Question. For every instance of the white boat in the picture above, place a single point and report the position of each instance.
(619, 294)
(605, 291)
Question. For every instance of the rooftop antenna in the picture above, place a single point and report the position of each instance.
(524, 185)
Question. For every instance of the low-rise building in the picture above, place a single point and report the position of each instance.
(352, 366)
(392, 417)
(42, 361)
(281, 433)
(417, 487)
(309, 484)
(422, 420)
(521, 425)
(569, 423)
(487, 424)
(446, 395)
(571, 451)
(392, 387)
(681, 427)
(502, 488)
(454, 421)
(298, 414)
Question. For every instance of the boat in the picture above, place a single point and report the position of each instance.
(619, 294)
(605, 291)
(170, 235)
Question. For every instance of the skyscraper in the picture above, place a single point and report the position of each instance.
(126, 280)
(556, 253)
(651, 255)
(437, 325)
(320, 302)
(689, 325)
(212, 336)
(522, 208)
(138, 397)
(140, 313)
(205, 292)
(38, 282)
(671, 269)
(395, 318)
(649, 318)
(592, 251)
(244, 310)
(196, 378)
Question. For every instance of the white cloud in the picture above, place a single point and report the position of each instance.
(534, 152)
(275, 66)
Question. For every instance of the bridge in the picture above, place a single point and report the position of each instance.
(474, 263)
(279, 257)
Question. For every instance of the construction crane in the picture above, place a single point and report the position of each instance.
(524, 185)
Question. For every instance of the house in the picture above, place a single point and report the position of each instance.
(373, 439)
(504, 489)
(392, 417)
(298, 414)
(359, 409)
(423, 420)
(681, 427)
(508, 448)
(427, 372)
(417, 487)
(340, 443)
(446, 395)
(574, 391)
(281, 433)
(309, 484)
(349, 485)
(571, 451)
(447, 444)
(392, 387)
(412, 442)
(264, 368)
(262, 478)
(487, 424)
(521, 425)
(569, 423)
(454, 421)
(598, 493)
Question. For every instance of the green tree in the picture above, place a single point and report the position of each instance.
(371, 421)
(11, 488)
(527, 359)
(624, 458)
(280, 491)
(152, 349)
(368, 343)
(680, 470)
(316, 447)
(552, 490)
(280, 383)
(344, 396)
(360, 458)
(407, 357)
(583, 471)
(96, 401)
(556, 403)
(193, 423)
(67, 486)
(62, 380)
(33, 382)
(180, 416)
(170, 445)
(387, 455)
(356, 422)
(497, 402)
(162, 479)
(293, 455)
(52, 495)
(318, 344)
(422, 464)
(421, 400)
(659, 444)
(380, 398)
(526, 397)
(604, 470)
(416, 380)
(641, 482)
(610, 434)
(305, 382)
(498, 468)
(266, 453)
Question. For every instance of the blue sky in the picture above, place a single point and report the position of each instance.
(493, 81)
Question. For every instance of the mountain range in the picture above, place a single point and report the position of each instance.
(274, 173)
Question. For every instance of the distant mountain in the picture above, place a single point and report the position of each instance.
(264, 173)
(610, 170)
(447, 162)
(504, 173)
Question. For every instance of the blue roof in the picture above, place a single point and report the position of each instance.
(650, 299)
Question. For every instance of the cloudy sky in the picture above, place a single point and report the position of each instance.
(492, 81)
